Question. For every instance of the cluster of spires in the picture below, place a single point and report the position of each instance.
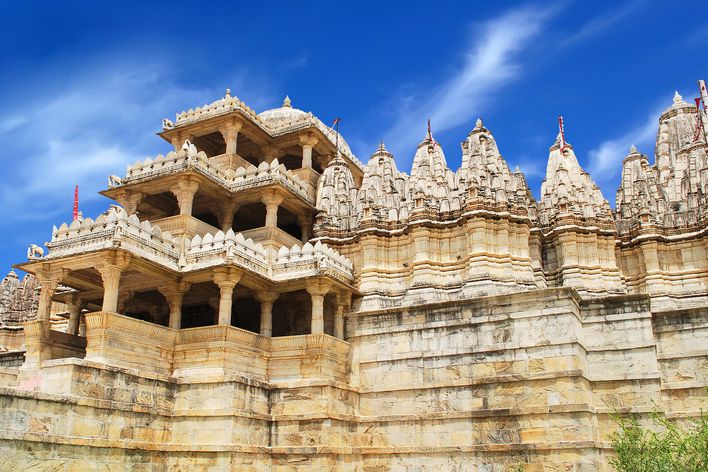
(674, 191)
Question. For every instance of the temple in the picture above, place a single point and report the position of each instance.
(259, 299)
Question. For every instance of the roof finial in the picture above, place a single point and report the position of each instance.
(430, 134)
(632, 149)
(382, 146)
(287, 103)
(478, 125)
(677, 96)
(228, 93)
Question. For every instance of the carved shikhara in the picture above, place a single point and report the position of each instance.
(443, 320)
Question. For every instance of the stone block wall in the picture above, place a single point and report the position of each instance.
(478, 384)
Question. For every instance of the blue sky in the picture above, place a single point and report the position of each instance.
(84, 85)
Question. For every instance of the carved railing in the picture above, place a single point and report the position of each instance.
(220, 107)
(237, 179)
(113, 229)
(117, 229)
(309, 260)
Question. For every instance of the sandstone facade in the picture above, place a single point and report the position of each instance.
(261, 300)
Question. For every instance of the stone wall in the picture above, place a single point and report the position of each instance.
(478, 384)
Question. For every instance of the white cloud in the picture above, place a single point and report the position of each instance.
(600, 23)
(493, 59)
(93, 126)
(605, 161)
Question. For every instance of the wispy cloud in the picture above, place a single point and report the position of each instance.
(601, 23)
(90, 128)
(492, 60)
(605, 161)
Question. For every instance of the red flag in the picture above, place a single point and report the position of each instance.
(76, 203)
(562, 133)
(699, 121)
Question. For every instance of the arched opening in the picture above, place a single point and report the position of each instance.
(209, 218)
(204, 208)
(249, 216)
(200, 305)
(292, 314)
(149, 306)
(287, 221)
(246, 314)
(159, 205)
(291, 161)
(212, 144)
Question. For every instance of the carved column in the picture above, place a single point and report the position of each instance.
(179, 139)
(271, 202)
(227, 215)
(129, 201)
(344, 300)
(74, 304)
(185, 190)
(317, 293)
(49, 286)
(304, 221)
(267, 299)
(174, 293)
(271, 152)
(110, 273)
(230, 134)
(307, 142)
(226, 279)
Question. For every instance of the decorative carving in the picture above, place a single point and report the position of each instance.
(34, 252)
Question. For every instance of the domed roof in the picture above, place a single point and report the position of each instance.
(283, 118)
(286, 114)
(680, 104)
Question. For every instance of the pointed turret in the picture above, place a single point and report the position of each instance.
(568, 190)
(638, 196)
(431, 181)
(336, 197)
(383, 189)
(485, 176)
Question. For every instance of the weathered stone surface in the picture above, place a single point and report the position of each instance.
(436, 321)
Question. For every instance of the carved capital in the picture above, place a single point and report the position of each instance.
(319, 288)
(230, 129)
(173, 290)
(344, 298)
(226, 277)
(267, 296)
(271, 198)
(185, 186)
(307, 140)
(129, 200)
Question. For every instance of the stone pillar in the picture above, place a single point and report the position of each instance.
(305, 223)
(317, 293)
(111, 285)
(271, 152)
(174, 293)
(230, 134)
(129, 201)
(49, 286)
(271, 202)
(343, 301)
(185, 190)
(73, 302)
(307, 142)
(227, 215)
(267, 299)
(226, 279)
(179, 139)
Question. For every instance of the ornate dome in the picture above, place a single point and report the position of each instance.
(286, 114)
